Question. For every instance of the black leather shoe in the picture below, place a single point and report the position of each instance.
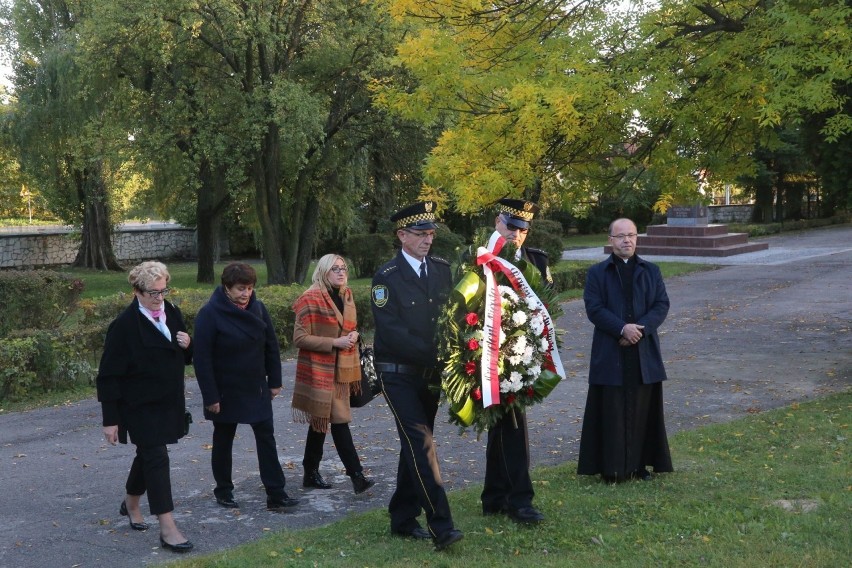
(135, 526)
(361, 483)
(526, 515)
(228, 502)
(281, 503)
(179, 547)
(489, 510)
(642, 474)
(448, 538)
(315, 480)
(417, 532)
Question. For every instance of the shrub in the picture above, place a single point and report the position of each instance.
(36, 299)
(447, 244)
(570, 275)
(369, 252)
(547, 236)
(38, 361)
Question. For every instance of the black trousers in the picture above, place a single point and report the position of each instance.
(507, 465)
(342, 437)
(150, 472)
(418, 478)
(271, 473)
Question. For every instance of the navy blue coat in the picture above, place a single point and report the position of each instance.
(140, 378)
(237, 359)
(406, 310)
(605, 309)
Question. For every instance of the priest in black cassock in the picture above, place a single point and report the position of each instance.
(624, 431)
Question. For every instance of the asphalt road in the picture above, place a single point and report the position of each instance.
(769, 330)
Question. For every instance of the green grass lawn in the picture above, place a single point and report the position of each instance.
(769, 490)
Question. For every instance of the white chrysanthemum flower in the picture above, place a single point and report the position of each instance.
(528, 353)
(532, 305)
(516, 380)
(544, 345)
(535, 371)
(519, 318)
(520, 345)
(502, 337)
(509, 294)
(515, 360)
(537, 323)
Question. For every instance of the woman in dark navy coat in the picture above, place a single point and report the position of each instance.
(238, 367)
(141, 390)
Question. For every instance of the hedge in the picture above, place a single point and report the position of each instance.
(39, 299)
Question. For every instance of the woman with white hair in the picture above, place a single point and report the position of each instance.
(141, 390)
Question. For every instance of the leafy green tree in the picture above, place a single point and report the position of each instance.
(565, 99)
(57, 124)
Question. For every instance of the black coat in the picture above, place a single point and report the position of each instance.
(141, 378)
(237, 359)
(605, 308)
(540, 260)
(406, 310)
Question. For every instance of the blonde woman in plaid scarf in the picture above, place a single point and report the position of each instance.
(327, 370)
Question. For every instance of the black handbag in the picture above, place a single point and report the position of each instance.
(370, 385)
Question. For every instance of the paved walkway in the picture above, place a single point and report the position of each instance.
(745, 338)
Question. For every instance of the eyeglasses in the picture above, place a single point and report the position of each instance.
(339, 269)
(158, 293)
(420, 235)
(622, 236)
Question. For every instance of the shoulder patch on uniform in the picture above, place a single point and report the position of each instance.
(380, 295)
(439, 260)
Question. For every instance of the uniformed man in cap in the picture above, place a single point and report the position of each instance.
(508, 488)
(407, 297)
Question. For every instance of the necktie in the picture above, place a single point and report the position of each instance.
(423, 269)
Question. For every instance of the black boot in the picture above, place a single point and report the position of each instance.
(315, 480)
(361, 483)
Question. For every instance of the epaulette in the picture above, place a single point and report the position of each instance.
(537, 251)
(439, 260)
(388, 269)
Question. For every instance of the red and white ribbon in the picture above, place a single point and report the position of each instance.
(487, 257)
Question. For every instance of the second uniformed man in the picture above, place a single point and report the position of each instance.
(408, 295)
(508, 488)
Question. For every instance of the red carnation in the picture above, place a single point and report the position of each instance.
(530, 392)
(510, 398)
(476, 394)
(471, 318)
(473, 345)
(470, 367)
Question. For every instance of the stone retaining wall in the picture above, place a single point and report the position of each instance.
(57, 246)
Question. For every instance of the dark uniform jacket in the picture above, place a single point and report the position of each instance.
(406, 310)
(605, 308)
(141, 378)
(539, 258)
(237, 359)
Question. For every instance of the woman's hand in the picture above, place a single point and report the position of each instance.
(111, 434)
(345, 341)
(213, 408)
(274, 392)
(183, 339)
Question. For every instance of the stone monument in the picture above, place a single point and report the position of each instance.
(687, 233)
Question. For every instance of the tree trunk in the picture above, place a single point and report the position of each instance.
(96, 245)
(268, 205)
(307, 239)
(213, 200)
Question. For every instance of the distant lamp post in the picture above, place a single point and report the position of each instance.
(25, 193)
